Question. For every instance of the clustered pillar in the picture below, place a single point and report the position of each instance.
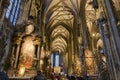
(17, 54)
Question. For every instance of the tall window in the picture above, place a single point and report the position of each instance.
(13, 10)
(55, 59)
(52, 56)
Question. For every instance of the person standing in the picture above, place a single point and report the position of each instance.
(39, 76)
(3, 76)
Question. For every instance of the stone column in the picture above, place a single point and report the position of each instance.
(113, 26)
(24, 11)
(107, 50)
(112, 54)
(12, 57)
(38, 56)
(115, 38)
(17, 53)
(13, 49)
(38, 44)
(1, 2)
(4, 6)
(53, 59)
(69, 56)
(93, 43)
(2, 18)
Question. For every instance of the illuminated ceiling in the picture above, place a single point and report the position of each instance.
(60, 23)
(59, 17)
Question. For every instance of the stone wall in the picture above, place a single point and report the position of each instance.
(5, 40)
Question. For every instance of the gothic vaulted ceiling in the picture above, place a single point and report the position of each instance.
(61, 14)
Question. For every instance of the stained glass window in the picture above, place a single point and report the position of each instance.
(13, 11)
(55, 59)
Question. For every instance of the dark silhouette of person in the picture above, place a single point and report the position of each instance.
(39, 76)
(3, 76)
(73, 77)
(80, 78)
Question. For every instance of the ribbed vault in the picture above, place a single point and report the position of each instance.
(59, 26)
(60, 18)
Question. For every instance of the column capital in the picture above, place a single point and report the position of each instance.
(37, 42)
(18, 42)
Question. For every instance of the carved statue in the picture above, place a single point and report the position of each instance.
(28, 49)
(29, 29)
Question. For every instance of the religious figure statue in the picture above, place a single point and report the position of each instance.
(29, 29)
(28, 49)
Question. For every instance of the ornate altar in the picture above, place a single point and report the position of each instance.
(25, 54)
(90, 64)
